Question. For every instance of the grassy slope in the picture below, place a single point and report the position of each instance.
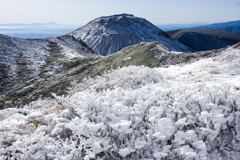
(58, 72)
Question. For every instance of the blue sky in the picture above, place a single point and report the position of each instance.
(82, 11)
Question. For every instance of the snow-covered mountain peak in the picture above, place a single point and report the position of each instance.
(119, 17)
(110, 34)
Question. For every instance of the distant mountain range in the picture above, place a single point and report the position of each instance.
(232, 26)
(170, 27)
(220, 25)
(107, 35)
(203, 39)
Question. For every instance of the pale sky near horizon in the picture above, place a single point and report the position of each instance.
(82, 11)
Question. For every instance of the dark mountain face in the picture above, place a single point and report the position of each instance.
(203, 42)
(107, 35)
(234, 29)
(205, 39)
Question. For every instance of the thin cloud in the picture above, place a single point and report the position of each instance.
(237, 3)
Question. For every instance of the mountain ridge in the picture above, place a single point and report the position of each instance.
(234, 29)
(231, 26)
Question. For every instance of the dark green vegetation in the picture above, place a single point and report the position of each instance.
(58, 72)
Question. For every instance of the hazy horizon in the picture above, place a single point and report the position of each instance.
(158, 12)
(69, 24)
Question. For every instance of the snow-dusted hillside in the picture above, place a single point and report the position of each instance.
(107, 35)
(73, 47)
(22, 60)
(185, 111)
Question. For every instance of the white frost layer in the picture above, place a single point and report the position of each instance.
(133, 119)
(224, 67)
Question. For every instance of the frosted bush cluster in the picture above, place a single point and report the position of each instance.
(118, 116)
(157, 121)
(28, 134)
(125, 77)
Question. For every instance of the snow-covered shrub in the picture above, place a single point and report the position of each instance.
(126, 77)
(47, 103)
(230, 55)
(157, 121)
(6, 113)
(27, 133)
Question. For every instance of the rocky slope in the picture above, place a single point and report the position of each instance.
(107, 35)
(203, 39)
(23, 60)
